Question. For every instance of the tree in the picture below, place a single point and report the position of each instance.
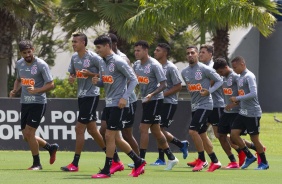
(14, 15)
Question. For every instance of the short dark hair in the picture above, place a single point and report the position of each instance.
(103, 40)
(165, 46)
(82, 35)
(113, 38)
(219, 63)
(144, 44)
(238, 58)
(208, 47)
(25, 44)
(193, 47)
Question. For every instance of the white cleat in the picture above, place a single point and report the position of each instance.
(171, 164)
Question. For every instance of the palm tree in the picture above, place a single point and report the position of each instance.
(216, 17)
(14, 15)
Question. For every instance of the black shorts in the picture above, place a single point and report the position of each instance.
(199, 120)
(214, 117)
(129, 117)
(251, 124)
(31, 114)
(152, 112)
(114, 116)
(87, 109)
(167, 114)
(225, 122)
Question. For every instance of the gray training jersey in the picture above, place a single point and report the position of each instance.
(217, 96)
(198, 77)
(37, 74)
(149, 75)
(230, 89)
(90, 61)
(115, 74)
(247, 89)
(132, 97)
(172, 78)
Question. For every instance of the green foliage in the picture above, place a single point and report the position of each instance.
(63, 89)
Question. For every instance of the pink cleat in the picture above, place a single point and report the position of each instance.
(116, 166)
(70, 168)
(214, 166)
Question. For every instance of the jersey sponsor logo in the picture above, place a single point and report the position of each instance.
(241, 92)
(107, 79)
(33, 70)
(243, 111)
(198, 75)
(112, 67)
(27, 81)
(80, 75)
(86, 63)
(194, 87)
(227, 91)
(147, 69)
(143, 80)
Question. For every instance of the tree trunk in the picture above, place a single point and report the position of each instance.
(221, 43)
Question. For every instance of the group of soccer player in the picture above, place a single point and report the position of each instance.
(220, 97)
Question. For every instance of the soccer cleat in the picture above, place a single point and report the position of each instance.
(53, 150)
(184, 149)
(35, 167)
(262, 166)
(248, 162)
(214, 166)
(131, 165)
(101, 175)
(158, 162)
(194, 163)
(200, 165)
(70, 168)
(232, 165)
(258, 157)
(171, 164)
(139, 170)
(242, 157)
(116, 166)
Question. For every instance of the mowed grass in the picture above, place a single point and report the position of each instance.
(13, 165)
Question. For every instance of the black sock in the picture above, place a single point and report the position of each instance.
(116, 157)
(47, 146)
(107, 167)
(169, 154)
(213, 157)
(134, 156)
(232, 158)
(104, 149)
(201, 156)
(177, 142)
(142, 153)
(36, 160)
(238, 150)
(247, 152)
(252, 146)
(161, 154)
(76, 160)
(263, 158)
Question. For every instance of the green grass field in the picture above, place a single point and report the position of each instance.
(13, 166)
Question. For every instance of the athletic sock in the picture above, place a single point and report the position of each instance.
(134, 156)
(76, 160)
(36, 160)
(238, 150)
(107, 167)
(232, 158)
(263, 158)
(247, 152)
(143, 153)
(177, 142)
(116, 157)
(201, 156)
(213, 157)
(169, 154)
(47, 146)
(161, 154)
(252, 146)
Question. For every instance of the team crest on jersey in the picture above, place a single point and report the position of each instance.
(198, 75)
(241, 81)
(33, 70)
(112, 67)
(86, 63)
(147, 69)
(229, 81)
(165, 70)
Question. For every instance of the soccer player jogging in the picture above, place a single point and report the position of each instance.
(170, 101)
(152, 82)
(198, 77)
(83, 66)
(34, 77)
(127, 134)
(119, 80)
(249, 114)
